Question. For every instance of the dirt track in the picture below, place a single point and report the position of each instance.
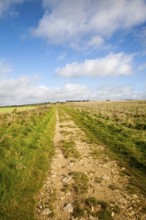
(84, 173)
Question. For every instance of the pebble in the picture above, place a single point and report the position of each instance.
(131, 214)
(67, 179)
(123, 201)
(113, 214)
(134, 196)
(68, 208)
(71, 164)
(106, 178)
(46, 212)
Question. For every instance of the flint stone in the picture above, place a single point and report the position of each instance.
(46, 212)
(68, 208)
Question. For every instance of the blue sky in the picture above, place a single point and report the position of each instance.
(56, 50)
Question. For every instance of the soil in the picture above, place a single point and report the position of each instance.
(107, 182)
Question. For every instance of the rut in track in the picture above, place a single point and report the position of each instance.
(84, 183)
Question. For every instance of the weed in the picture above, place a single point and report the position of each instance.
(69, 149)
(97, 179)
(98, 208)
(79, 210)
(113, 187)
(91, 201)
(65, 188)
(116, 209)
(80, 182)
(104, 215)
(65, 132)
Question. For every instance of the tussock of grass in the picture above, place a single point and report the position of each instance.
(80, 182)
(113, 187)
(91, 206)
(79, 210)
(69, 149)
(98, 208)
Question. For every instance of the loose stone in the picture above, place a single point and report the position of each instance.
(68, 208)
(46, 212)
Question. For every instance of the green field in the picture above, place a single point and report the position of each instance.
(26, 147)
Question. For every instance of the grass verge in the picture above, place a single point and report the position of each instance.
(26, 149)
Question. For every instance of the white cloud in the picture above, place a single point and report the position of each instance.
(111, 65)
(118, 92)
(4, 67)
(95, 41)
(90, 21)
(5, 5)
(23, 90)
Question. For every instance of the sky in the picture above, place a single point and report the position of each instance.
(58, 50)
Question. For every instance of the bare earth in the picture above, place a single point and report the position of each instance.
(106, 181)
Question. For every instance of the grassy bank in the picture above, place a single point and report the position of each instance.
(127, 144)
(26, 149)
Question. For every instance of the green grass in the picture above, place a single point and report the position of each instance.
(91, 206)
(98, 208)
(80, 183)
(26, 149)
(69, 149)
(123, 143)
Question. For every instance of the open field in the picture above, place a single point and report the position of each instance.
(11, 109)
(74, 161)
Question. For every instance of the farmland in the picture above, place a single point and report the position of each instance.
(74, 160)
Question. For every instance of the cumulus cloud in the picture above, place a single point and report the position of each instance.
(4, 67)
(111, 65)
(89, 21)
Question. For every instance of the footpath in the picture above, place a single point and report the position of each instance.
(84, 183)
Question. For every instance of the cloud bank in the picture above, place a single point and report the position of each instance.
(23, 91)
(110, 65)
